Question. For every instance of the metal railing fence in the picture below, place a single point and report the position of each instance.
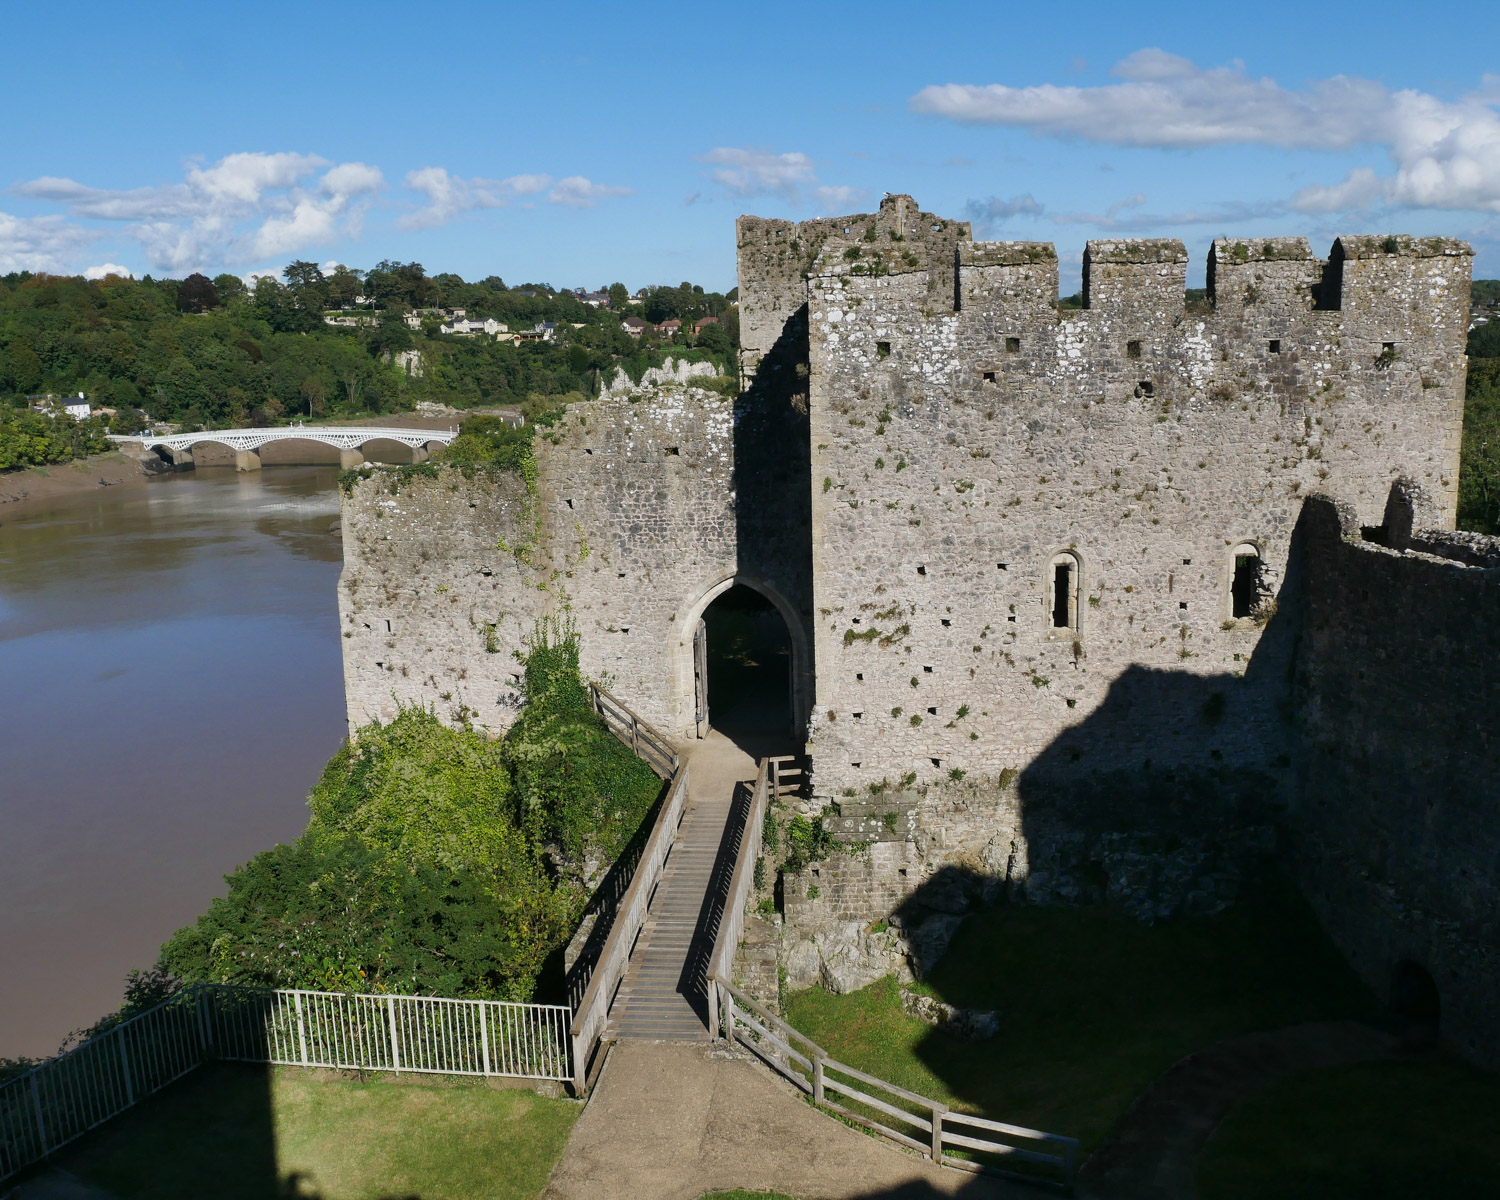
(64, 1097)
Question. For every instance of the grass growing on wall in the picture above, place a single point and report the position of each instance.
(1093, 1006)
(252, 1133)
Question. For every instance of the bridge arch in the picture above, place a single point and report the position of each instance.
(687, 664)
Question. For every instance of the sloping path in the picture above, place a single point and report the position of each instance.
(673, 1121)
(1153, 1153)
(662, 995)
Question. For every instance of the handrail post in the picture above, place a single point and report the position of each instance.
(125, 1066)
(484, 1036)
(729, 1034)
(817, 1079)
(580, 1062)
(36, 1108)
(205, 1026)
(301, 1028)
(937, 1130)
(390, 1012)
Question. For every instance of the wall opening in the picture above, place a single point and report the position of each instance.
(1245, 588)
(1062, 601)
(1414, 998)
(745, 671)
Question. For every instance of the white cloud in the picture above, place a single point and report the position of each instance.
(747, 172)
(987, 212)
(243, 207)
(449, 196)
(743, 171)
(1444, 154)
(839, 199)
(577, 192)
(40, 243)
(104, 269)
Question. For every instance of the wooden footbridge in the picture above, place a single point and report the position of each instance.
(664, 964)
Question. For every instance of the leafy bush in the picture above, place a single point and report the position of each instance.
(332, 911)
(491, 440)
(30, 439)
(425, 866)
(577, 786)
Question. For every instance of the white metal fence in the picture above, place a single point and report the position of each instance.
(68, 1095)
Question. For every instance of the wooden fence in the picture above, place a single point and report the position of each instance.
(780, 776)
(592, 1016)
(929, 1127)
(953, 1139)
(649, 745)
(66, 1096)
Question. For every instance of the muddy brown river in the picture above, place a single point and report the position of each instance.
(170, 687)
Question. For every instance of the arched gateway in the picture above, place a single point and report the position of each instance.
(701, 657)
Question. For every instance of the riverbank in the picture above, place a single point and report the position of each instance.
(114, 469)
(31, 484)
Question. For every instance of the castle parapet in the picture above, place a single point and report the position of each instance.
(1271, 276)
(1398, 287)
(1142, 279)
(1015, 281)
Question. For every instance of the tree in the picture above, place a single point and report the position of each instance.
(619, 298)
(305, 282)
(313, 391)
(196, 294)
(229, 287)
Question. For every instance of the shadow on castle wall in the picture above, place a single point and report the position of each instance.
(773, 489)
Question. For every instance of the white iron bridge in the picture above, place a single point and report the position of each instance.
(246, 443)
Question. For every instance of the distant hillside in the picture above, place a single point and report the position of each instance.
(214, 353)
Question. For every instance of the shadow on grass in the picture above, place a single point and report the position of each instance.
(257, 1133)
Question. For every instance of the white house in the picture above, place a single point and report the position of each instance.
(463, 327)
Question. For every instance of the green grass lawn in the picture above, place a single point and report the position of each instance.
(249, 1133)
(1389, 1130)
(1093, 1006)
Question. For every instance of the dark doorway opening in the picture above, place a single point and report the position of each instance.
(745, 666)
(1415, 1001)
(1245, 590)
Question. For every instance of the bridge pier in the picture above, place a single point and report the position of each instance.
(246, 460)
(349, 459)
(181, 460)
(420, 454)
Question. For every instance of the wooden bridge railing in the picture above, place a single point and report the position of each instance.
(649, 744)
(906, 1118)
(927, 1126)
(776, 777)
(592, 1017)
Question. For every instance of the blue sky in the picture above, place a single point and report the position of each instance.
(580, 144)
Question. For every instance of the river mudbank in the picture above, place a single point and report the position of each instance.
(82, 475)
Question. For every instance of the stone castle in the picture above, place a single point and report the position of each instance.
(1082, 603)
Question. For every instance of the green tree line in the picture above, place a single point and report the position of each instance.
(215, 353)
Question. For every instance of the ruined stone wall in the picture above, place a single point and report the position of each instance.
(963, 443)
(1397, 826)
(630, 527)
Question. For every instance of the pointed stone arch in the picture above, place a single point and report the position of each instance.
(685, 704)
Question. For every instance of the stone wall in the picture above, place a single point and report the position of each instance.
(965, 443)
(630, 528)
(1397, 824)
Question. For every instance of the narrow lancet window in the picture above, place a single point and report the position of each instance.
(1244, 591)
(1063, 586)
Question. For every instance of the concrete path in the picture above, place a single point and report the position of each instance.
(1153, 1153)
(663, 995)
(673, 1121)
